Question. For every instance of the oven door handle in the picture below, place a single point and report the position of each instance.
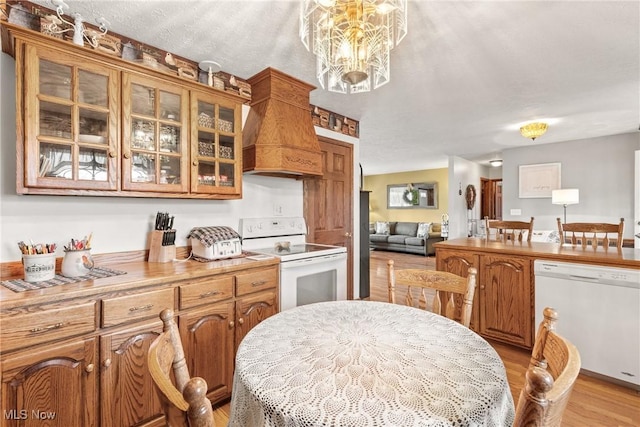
(313, 260)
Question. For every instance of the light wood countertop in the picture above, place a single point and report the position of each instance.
(612, 257)
(139, 274)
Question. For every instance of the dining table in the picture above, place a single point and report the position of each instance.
(364, 363)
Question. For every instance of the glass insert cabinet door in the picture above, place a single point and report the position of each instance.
(155, 136)
(215, 152)
(73, 142)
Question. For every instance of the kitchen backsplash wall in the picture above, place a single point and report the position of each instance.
(118, 224)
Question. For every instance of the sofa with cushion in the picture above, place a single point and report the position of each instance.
(410, 237)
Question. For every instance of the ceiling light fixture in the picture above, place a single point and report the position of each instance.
(495, 162)
(352, 40)
(533, 130)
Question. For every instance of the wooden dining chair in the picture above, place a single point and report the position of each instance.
(184, 403)
(591, 233)
(553, 369)
(446, 286)
(503, 231)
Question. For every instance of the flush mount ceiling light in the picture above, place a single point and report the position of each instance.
(495, 162)
(533, 130)
(352, 40)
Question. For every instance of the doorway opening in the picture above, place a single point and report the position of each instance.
(491, 194)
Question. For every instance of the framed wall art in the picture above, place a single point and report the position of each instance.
(422, 195)
(537, 181)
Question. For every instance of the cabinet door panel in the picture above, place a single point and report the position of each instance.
(207, 336)
(253, 309)
(155, 135)
(72, 115)
(506, 295)
(458, 262)
(215, 145)
(54, 386)
(128, 396)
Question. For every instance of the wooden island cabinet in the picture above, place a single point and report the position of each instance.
(78, 352)
(504, 301)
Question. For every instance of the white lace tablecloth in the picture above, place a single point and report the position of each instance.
(362, 363)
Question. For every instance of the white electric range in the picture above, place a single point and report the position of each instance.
(309, 272)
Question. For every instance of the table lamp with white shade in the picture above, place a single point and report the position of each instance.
(564, 197)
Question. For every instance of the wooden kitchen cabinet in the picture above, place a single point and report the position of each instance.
(458, 262)
(502, 306)
(506, 299)
(207, 336)
(155, 135)
(211, 333)
(216, 134)
(71, 107)
(127, 393)
(85, 357)
(93, 124)
(53, 385)
(253, 309)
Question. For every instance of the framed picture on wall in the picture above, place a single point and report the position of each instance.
(537, 181)
(422, 195)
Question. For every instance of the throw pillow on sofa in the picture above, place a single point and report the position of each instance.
(382, 227)
(423, 229)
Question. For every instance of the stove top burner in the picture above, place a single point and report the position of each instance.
(300, 251)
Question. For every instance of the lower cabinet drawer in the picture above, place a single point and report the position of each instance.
(128, 308)
(25, 330)
(256, 280)
(205, 291)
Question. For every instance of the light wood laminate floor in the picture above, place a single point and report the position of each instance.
(593, 403)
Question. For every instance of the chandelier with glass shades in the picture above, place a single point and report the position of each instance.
(352, 40)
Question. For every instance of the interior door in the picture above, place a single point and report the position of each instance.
(328, 201)
(491, 196)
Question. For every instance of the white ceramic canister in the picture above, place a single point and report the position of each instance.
(77, 263)
(39, 267)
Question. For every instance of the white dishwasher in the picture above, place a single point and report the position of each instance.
(599, 312)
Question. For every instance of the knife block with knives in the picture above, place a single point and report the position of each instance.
(162, 240)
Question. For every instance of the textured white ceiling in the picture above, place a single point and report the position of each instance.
(462, 81)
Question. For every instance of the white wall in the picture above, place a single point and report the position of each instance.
(601, 168)
(122, 224)
(462, 173)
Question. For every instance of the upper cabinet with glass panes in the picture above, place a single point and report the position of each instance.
(95, 124)
(216, 164)
(73, 142)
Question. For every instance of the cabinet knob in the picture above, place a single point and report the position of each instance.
(231, 324)
(195, 163)
(482, 287)
(347, 234)
(241, 321)
(106, 363)
(112, 154)
(89, 367)
(127, 155)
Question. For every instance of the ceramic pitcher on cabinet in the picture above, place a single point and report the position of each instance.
(77, 263)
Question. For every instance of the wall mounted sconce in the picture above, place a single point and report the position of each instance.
(80, 32)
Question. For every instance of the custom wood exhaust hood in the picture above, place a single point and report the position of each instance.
(279, 138)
